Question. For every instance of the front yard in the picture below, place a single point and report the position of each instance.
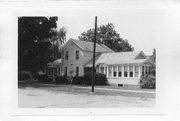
(36, 95)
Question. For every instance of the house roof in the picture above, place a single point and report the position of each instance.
(118, 58)
(88, 46)
(56, 62)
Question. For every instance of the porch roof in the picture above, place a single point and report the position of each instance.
(55, 63)
(118, 58)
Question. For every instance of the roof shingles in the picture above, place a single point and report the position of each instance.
(88, 46)
(118, 58)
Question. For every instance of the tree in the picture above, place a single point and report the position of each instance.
(34, 44)
(58, 40)
(108, 36)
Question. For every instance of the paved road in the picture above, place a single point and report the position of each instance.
(30, 97)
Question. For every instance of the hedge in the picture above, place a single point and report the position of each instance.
(24, 75)
(43, 78)
(99, 79)
(148, 82)
(61, 79)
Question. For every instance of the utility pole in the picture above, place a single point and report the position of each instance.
(93, 70)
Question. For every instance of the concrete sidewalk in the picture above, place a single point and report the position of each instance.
(96, 88)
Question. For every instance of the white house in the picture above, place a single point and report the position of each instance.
(119, 67)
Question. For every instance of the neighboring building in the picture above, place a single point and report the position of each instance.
(119, 67)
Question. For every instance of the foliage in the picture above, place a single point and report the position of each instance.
(148, 82)
(44, 78)
(108, 36)
(99, 79)
(61, 80)
(78, 80)
(23, 75)
(58, 39)
(35, 42)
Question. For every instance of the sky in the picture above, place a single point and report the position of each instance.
(141, 27)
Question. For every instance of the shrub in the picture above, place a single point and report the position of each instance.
(99, 79)
(148, 82)
(43, 78)
(24, 75)
(78, 80)
(62, 80)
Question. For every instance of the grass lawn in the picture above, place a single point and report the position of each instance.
(80, 89)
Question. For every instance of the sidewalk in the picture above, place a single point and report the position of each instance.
(97, 88)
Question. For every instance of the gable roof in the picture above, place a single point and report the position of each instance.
(118, 58)
(88, 46)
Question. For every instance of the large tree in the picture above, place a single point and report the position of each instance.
(57, 41)
(34, 43)
(108, 36)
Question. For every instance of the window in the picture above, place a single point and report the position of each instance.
(146, 69)
(49, 71)
(136, 71)
(114, 71)
(55, 71)
(119, 71)
(77, 54)
(142, 70)
(110, 71)
(77, 71)
(125, 71)
(66, 55)
(65, 70)
(102, 69)
(106, 70)
(130, 71)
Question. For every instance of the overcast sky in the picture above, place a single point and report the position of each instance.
(141, 27)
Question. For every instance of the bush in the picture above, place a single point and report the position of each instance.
(43, 78)
(62, 80)
(148, 82)
(78, 80)
(24, 75)
(99, 79)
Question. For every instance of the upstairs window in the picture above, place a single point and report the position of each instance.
(66, 55)
(77, 54)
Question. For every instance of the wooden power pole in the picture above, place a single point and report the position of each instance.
(94, 51)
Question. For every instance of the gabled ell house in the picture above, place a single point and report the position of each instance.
(119, 67)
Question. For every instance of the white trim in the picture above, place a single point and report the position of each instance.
(117, 71)
(122, 71)
(107, 75)
(133, 71)
(127, 71)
